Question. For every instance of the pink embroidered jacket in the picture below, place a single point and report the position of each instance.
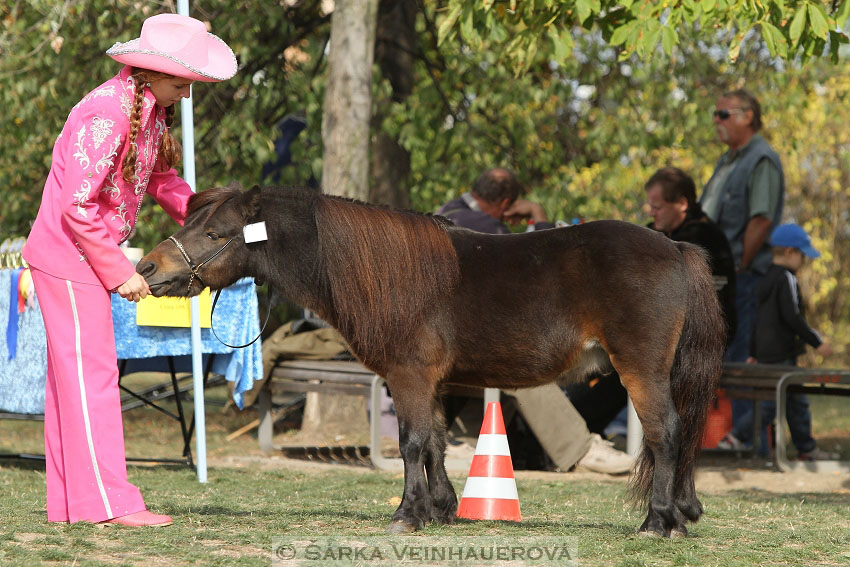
(87, 209)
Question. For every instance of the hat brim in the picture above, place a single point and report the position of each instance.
(810, 252)
(220, 66)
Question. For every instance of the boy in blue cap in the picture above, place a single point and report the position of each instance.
(781, 332)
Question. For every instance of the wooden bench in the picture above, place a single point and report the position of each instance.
(327, 376)
(337, 377)
(749, 381)
(773, 382)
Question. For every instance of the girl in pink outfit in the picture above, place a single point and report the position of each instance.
(115, 146)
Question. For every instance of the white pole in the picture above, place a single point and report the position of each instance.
(188, 124)
(634, 431)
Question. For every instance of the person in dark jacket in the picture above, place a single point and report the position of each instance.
(671, 196)
(493, 203)
(781, 332)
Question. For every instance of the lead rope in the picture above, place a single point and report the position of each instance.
(268, 315)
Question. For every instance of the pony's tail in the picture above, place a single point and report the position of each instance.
(693, 381)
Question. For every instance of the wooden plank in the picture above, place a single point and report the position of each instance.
(324, 387)
(347, 366)
(324, 375)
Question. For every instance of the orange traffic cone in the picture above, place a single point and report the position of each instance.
(490, 490)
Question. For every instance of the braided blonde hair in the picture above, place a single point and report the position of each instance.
(170, 151)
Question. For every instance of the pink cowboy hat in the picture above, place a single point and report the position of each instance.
(180, 46)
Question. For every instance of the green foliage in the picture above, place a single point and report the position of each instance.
(639, 27)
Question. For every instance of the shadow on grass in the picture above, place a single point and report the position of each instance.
(567, 527)
(24, 463)
(768, 497)
(324, 516)
(32, 462)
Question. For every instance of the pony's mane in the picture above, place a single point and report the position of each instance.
(385, 268)
(216, 195)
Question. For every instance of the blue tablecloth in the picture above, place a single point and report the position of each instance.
(22, 377)
(235, 321)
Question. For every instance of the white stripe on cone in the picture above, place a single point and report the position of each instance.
(490, 487)
(493, 444)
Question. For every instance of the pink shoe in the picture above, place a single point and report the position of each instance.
(143, 518)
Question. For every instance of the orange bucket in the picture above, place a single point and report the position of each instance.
(719, 421)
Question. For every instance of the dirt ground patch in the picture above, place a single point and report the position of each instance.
(714, 478)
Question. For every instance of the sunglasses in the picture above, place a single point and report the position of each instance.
(724, 114)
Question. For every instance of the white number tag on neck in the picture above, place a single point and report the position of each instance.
(255, 232)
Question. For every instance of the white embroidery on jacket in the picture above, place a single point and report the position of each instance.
(108, 90)
(81, 154)
(145, 164)
(138, 181)
(81, 196)
(159, 126)
(122, 214)
(83, 257)
(100, 129)
(108, 159)
(126, 104)
(110, 185)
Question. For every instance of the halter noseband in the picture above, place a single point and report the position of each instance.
(195, 270)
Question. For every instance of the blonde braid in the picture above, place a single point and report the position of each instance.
(128, 166)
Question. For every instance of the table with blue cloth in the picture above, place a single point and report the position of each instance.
(235, 322)
(23, 349)
(23, 352)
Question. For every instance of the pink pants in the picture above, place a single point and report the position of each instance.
(83, 430)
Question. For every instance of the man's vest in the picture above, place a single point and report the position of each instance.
(734, 211)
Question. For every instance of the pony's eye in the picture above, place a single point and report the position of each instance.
(212, 235)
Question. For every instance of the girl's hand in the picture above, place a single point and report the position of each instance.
(134, 289)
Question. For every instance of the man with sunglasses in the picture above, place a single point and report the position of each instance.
(744, 197)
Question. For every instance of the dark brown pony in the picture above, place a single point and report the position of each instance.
(423, 303)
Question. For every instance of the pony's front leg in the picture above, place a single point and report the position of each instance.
(443, 497)
(413, 405)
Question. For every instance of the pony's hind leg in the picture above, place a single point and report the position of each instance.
(413, 399)
(656, 472)
(443, 497)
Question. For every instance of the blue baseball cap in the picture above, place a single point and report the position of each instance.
(792, 235)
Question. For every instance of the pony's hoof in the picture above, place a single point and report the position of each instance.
(681, 531)
(650, 533)
(400, 527)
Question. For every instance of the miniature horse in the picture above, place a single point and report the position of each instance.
(423, 303)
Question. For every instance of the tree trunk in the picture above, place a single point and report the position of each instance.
(394, 48)
(348, 99)
(335, 418)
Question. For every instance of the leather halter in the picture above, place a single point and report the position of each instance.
(195, 270)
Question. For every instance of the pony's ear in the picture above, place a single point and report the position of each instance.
(251, 203)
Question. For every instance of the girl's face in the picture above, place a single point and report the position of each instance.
(170, 90)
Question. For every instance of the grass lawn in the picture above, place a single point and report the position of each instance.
(247, 505)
